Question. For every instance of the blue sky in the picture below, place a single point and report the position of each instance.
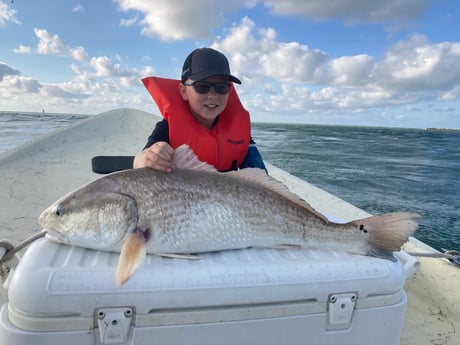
(356, 62)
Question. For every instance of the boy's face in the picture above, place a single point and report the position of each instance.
(205, 107)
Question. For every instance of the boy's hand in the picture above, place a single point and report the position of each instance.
(158, 156)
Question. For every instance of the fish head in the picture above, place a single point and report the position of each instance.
(85, 218)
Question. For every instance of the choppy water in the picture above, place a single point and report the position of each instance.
(377, 169)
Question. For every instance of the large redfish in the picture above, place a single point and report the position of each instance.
(195, 209)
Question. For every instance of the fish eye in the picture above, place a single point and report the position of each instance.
(59, 211)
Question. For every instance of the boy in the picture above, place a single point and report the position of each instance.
(202, 111)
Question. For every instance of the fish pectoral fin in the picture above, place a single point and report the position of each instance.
(133, 253)
(181, 256)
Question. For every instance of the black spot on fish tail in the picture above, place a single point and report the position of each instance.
(362, 228)
(386, 233)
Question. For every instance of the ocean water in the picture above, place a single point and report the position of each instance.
(377, 169)
(17, 128)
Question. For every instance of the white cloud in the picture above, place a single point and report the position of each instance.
(82, 87)
(78, 8)
(49, 44)
(97, 79)
(302, 78)
(178, 19)
(99, 83)
(58, 91)
(292, 62)
(104, 67)
(7, 15)
(452, 94)
(23, 50)
(350, 11)
(258, 53)
(16, 84)
(53, 45)
(129, 21)
(76, 69)
(352, 70)
(78, 54)
(418, 65)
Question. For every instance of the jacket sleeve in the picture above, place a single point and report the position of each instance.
(159, 133)
(253, 158)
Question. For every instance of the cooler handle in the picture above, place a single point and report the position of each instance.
(410, 263)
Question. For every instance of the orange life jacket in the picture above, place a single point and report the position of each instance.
(224, 145)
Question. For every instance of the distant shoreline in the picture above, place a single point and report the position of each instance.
(441, 129)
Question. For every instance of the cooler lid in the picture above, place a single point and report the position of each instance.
(56, 279)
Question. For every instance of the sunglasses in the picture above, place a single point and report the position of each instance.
(203, 87)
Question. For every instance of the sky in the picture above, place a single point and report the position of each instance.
(356, 62)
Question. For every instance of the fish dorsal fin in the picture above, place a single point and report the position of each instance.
(260, 177)
(185, 158)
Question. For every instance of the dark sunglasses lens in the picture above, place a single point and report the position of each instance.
(222, 88)
(203, 87)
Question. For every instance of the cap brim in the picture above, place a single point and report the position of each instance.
(207, 74)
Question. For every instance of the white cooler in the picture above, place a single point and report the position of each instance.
(67, 295)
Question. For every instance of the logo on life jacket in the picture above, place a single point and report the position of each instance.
(235, 142)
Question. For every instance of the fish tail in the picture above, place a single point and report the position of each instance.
(388, 232)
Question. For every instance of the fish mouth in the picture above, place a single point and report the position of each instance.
(55, 236)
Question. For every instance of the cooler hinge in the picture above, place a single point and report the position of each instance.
(340, 310)
(113, 325)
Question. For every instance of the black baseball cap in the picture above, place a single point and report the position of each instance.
(203, 63)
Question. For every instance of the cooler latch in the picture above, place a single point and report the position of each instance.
(114, 325)
(340, 310)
